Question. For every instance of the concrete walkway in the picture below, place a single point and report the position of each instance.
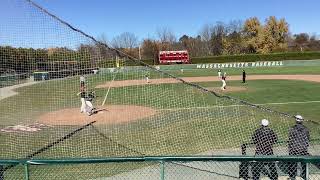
(6, 92)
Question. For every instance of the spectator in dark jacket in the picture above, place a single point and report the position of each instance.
(264, 138)
(298, 146)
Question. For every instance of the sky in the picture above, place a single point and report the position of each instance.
(23, 25)
(144, 17)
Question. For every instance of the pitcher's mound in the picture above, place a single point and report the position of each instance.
(228, 89)
(113, 114)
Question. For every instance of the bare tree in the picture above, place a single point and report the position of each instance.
(165, 35)
(206, 34)
(217, 38)
(235, 26)
(125, 40)
(102, 38)
(102, 50)
(314, 43)
(193, 45)
(301, 40)
(149, 49)
(234, 41)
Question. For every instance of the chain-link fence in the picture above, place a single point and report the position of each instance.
(214, 167)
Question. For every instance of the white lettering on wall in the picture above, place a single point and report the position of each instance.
(240, 65)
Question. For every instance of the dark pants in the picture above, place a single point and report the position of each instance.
(243, 80)
(292, 170)
(244, 170)
(258, 167)
(293, 166)
(1, 172)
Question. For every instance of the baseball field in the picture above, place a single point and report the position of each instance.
(80, 101)
(162, 117)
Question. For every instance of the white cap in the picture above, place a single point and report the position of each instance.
(264, 122)
(299, 118)
(82, 79)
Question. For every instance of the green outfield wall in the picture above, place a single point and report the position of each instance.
(286, 63)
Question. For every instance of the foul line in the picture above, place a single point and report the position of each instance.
(298, 102)
(208, 107)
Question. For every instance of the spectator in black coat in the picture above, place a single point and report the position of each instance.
(298, 144)
(264, 138)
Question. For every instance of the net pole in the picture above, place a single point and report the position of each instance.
(106, 96)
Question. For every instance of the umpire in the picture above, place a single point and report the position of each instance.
(244, 75)
(298, 144)
(264, 138)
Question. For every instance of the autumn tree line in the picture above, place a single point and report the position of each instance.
(234, 38)
(24, 60)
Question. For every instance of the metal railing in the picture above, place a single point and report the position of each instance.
(190, 167)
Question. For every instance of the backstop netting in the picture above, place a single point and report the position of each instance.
(49, 69)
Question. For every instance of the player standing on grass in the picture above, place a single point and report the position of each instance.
(264, 138)
(298, 144)
(219, 74)
(147, 77)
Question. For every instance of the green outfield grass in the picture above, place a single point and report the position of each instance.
(249, 71)
(259, 92)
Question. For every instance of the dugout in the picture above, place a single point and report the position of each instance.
(7, 78)
(41, 76)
